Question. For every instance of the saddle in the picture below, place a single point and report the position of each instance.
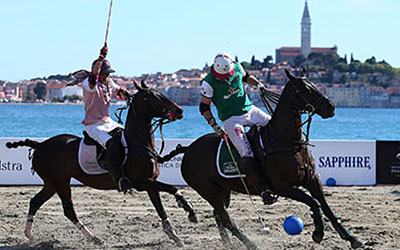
(101, 152)
(225, 165)
(92, 155)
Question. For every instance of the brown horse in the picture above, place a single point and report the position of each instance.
(285, 160)
(56, 161)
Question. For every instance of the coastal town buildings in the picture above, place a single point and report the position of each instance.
(346, 89)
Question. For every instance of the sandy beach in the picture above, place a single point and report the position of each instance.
(130, 221)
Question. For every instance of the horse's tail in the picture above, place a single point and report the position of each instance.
(178, 150)
(26, 143)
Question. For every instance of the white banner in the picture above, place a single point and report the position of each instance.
(345, 162)
(15, 167)
(170, 172)
(338, 162)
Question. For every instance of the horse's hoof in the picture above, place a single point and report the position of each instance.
(97, 241)
(317, 236)
(356, 243)
(179, 243)
(192, 217)
(253, 246)
(29, 235)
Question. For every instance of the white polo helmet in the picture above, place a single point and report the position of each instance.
(223, 67)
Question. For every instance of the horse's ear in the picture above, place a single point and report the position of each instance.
(303, 72)
(144, 84)
(289, 74)
(136, 85)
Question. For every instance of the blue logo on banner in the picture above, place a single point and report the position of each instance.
(345, 162)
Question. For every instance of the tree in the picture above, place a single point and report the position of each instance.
(30, 96)
(371, 60)
(253, 59)
(299, 60)
(341, 67)
(40, 90)
(246, 65)
(267, 62)
(345, 78)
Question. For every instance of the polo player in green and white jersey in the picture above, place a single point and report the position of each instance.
(223, 86)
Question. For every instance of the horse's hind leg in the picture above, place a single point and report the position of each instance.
(64, 192)
(180, 199)
(222, 215)
(219, 199)
(36, 202)
(316, 191)
(299, 195)
(225, 195)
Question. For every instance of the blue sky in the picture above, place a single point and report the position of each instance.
(44, 37)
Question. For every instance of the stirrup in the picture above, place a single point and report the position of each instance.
(268, 197)
(124, 185)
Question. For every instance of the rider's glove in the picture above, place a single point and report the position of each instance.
(104, 51)
(123, 94)
(218, 129)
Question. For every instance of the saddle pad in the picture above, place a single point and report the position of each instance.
(88, 161)
(225, 166)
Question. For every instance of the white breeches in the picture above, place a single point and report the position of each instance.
(99, 131)
(234, 126)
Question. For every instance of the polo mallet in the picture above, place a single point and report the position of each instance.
(108, 22)
(263, 227)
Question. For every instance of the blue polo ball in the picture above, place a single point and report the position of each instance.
(331, 182)
(293, 225)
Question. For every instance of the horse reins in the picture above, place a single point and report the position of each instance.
(158, 123)
(308, 109)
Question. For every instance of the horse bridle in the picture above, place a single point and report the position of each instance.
(167, 117)
(309, 109)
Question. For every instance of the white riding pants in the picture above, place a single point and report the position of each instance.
(234, 126)
(99, 131)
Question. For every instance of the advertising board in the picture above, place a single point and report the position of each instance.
(388, 160)
(345, 162)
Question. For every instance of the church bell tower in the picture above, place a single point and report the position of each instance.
(305, 32)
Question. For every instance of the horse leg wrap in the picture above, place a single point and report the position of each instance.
(243, 238)
(344, 233)
(29, 226)
(319, 224)
(187, 206)
(316, 214)
(169, 230)
(83, 229)
(222, 231)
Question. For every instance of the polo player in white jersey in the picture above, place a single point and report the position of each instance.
(223, 86)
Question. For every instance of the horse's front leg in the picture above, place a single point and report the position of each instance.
(299, 195)
(156, 200)
(180, 199)
(316, 191)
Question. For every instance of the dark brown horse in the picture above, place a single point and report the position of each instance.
(56, 161)
(285, 159)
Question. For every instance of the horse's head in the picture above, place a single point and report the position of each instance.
(151, 102)
(307, 97)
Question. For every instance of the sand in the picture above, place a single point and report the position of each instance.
(130, 221)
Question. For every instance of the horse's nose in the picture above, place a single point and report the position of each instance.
(330, 110)
(179, 113)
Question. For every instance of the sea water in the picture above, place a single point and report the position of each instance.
(46, 120)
